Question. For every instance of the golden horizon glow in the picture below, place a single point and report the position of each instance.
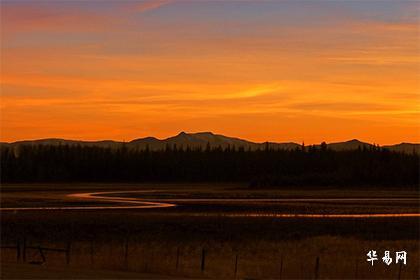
(155, 68)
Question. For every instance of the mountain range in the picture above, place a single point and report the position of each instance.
(204, 139)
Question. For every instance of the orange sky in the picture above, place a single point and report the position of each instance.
(277, 71)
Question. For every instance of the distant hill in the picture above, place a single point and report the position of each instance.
(348, 145)
(203, 139)
(404, 147)
(192, 140)
(57, 141)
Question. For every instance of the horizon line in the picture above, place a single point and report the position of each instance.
(204, 132)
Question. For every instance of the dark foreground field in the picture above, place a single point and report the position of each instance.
(199, 240)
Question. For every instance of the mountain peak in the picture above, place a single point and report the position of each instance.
(181, 135)
(205, 133)
(354, 141)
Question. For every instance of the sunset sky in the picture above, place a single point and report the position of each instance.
(261, 70)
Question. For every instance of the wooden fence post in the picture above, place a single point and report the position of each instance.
(177, 259)
(281, 268)
(316, 268)
(24, 249)
(17, 250)
(41, 252)
(91, 252)
(126, 253)
(236, 265)
(203, 259)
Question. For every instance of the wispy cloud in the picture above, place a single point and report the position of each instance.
(33, 16)
(205, 65)
(144, 6)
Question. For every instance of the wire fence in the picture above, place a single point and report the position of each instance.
(130, 255)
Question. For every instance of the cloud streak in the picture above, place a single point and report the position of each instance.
(115, 69)
(144, 6)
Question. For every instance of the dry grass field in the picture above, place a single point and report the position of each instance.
(196, 240)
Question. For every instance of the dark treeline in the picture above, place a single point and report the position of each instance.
(303, 166)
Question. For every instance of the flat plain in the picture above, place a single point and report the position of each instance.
(214, 231)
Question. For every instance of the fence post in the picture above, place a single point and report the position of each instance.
(316, 268)
(17, 250)
(281, 268)
(41, 252)
(91, 252)
(236, 265)
(126, 253)
(203, 259)
(68, 250)
(24, 249)
(177, 259)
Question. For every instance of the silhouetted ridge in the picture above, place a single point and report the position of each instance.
(204, 139)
